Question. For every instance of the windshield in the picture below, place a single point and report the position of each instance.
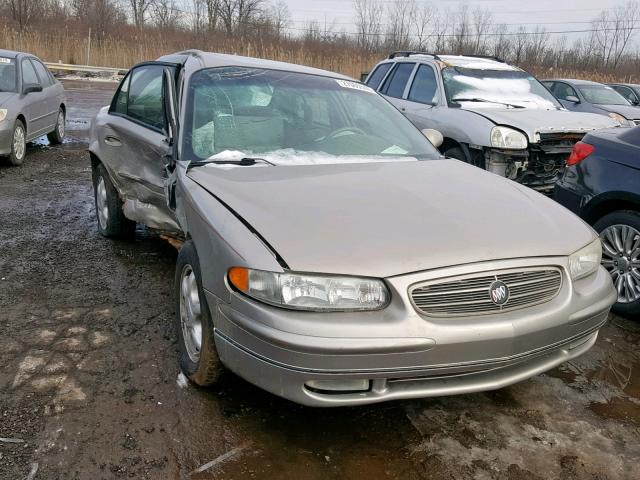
(7, 74)
(293, 118)
(602, 95)
(507, 88)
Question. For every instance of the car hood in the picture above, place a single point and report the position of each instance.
(627, 111)
(5, 97)
(535, 121)
(387, 219)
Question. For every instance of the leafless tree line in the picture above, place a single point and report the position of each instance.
(197, 16)
(411, 25)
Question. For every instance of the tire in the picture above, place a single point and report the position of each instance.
(18, 144)
(199, 359)
(457, 153)
(622, 262)
(57, 136)
(111, 220)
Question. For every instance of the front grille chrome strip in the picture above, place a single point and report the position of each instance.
(469, 295)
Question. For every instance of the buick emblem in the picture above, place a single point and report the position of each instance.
(499, 292)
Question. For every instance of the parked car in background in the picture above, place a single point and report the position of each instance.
(593, 97)
(630, 91)
(32, 104)
(602, 185)
(331, 255)
(491, 114)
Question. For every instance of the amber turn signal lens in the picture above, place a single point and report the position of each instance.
(239, 278)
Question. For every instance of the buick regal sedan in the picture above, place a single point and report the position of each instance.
(329, 254)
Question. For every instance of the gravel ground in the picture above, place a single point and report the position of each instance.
(89, 380)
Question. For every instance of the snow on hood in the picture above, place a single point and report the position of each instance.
(296, 157)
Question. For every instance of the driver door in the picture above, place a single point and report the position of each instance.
(136, 142)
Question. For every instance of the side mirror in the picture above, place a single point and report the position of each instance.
(32, 89)
(572, 99)
(434, 136)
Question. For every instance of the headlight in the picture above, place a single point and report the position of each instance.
(504, 137)
(586, 260)
(621, 120)
(3, 114)
(303, 291)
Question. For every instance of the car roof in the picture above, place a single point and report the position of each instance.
(463, 61)
(632, 85)
(572, 81)
(9, 53)
(210, 60)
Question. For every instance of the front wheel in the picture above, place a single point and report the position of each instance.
(57, 136)
(198, 355)
(18, 144)
(620, 235)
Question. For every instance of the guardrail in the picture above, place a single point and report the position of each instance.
(67, 67)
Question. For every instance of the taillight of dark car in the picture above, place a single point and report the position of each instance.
(581, 150)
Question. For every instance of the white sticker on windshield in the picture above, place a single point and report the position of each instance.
(5, 60)
(354, 86)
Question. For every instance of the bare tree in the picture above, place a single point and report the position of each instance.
(461, 30)
(23, 12)
(368, 23)
(279, 17)
(139, 10)
(613, 30)
(400, 19)
(481, 22)
(165, 14)
(198, 16)
(424, 21)
(213, 14)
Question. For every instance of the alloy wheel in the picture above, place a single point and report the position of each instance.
(621, 258)
(190, 313)
(102, 206)
(19, 143)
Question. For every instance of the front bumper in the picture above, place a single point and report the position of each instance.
(402, 353)
(6, 136)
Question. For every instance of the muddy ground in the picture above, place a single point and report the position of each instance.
(89, 377)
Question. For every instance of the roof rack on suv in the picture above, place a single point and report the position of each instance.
(409, 53)
(486, 57)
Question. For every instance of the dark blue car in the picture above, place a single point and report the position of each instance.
(602, 185)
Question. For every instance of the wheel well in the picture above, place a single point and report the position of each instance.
(23, 120)
(595, 212)
(64, 108)
(95, 161)
(449, 143)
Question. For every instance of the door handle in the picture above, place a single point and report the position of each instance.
(113, 141)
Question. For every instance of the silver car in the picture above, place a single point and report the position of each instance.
(329, 254)
(491, 114)
(32, 104)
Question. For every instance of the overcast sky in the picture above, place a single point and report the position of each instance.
(555, 15)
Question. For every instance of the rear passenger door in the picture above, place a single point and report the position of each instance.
(135, 144)
(395, 85)
(51, 97)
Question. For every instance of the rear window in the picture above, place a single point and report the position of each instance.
(378, 74)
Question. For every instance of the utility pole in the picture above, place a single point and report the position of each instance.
(89, 47)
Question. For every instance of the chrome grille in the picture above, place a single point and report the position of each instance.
(469, 295)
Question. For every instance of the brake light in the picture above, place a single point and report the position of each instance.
(581, 150)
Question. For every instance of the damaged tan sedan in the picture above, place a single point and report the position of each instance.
(331, 256)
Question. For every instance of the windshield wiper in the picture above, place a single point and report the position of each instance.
(243, 162)
(484, 100)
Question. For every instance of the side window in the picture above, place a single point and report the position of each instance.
(627, 93)
(29, 76)
(378, 74)
(146, 96)
(43, 73)
(396, 82)
(425, 86)
(121, 100)
(562, 91)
